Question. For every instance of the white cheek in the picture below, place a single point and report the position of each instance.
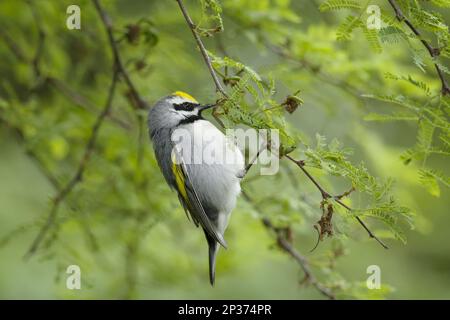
(186, 114)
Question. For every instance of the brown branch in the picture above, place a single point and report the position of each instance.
(282, 240)
(14, 48)
(77, 98)
(326, 195)
(78, 176)
(35, 61)
(300, 164)
(140, 103)
(284, 244)
(51, 178)
(118, 70)
(434, 52)
(202, 48)
(133, 93)
(252, 161)
(82, 101)
(131, 267)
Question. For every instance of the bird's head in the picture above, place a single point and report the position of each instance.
(176, 109)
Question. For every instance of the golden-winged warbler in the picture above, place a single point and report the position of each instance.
(197, 160)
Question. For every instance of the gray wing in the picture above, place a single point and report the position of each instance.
(190, 200)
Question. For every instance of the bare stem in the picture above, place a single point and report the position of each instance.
(434, 52)
(286, 246)
(250, 164)
(118, 60)
(78, 176)
(326, 195)
(82, 101)
(202, 48)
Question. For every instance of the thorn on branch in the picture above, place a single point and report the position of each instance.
(345, 194)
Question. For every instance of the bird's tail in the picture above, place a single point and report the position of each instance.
(213, 248)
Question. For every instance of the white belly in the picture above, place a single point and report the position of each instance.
(215, 165)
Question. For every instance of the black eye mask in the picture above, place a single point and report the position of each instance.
(185, 106)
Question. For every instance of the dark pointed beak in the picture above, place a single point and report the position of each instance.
(204, 107)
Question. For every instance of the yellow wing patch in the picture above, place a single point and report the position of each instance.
(190, 200)
(185, 96)
(179, 178)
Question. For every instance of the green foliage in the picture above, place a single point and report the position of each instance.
(346, 28)
(339, 4)
(265, 113)
(428, 20)
(431, 179)
(431, 115)
(441, 3)
(390, 117)
(378, 203)
(211, 13)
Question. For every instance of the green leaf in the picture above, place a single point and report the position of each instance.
(238, 110)
(419, 84)
(431, 180)
(441, 3)
(373, 38)
(389, 213)
(428, 20)
(346, 28)
(392, 35)
(211, 15)
(339, 4)
(390, 117)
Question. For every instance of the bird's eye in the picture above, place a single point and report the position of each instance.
(185, 106)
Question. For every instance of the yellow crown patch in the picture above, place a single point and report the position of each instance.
(185, 96)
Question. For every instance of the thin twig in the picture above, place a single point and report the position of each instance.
(140, 103)
(326, 195)
(52, 179)
(287, 247)
(434, 52)
(136, 98)
(78, 176)
(83, 101)
(303, 262)
(202, 48)
(58, 84)
(250, 164)
(140, 150)
(13, 46)
(40, 44)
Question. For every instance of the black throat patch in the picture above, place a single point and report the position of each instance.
(190, 119)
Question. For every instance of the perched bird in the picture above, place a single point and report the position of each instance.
(202, 164)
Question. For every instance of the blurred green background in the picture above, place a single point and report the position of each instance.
(125, 228)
